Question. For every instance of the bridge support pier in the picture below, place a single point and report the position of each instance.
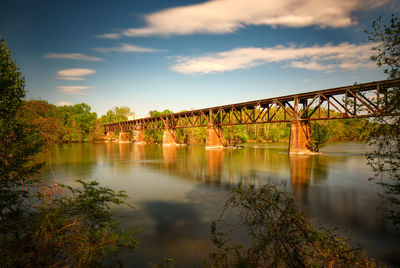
(139, 136)
(124, 137)
(110, 136)
(214, 137)
(300, 137)
(169, 137)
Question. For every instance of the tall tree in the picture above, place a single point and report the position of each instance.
(118, 114)
(78, 121)
(319, 135)
(18, 143)
(48, 226)
(41, 115)
(385, 159)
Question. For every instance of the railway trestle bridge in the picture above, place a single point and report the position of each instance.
(354, 101)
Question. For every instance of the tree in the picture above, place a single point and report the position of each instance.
(68, 227)
(117, 114)
(18, 143)
(235, 134)
(385, 135)
(279, 234)
(78, 122)
(386, 38)
(43, 116)
(319, 136)
(40, 225)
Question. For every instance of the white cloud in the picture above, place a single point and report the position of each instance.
(70, 78)
(74, 73)
(64, 103)
(71, 56)
(326, 58)
(225, 16)
(128, 48)
(109, 36)
(74, 90)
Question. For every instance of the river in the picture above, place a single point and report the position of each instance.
(178, 191)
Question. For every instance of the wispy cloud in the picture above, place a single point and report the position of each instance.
(109, 36)
(225, 16)
(71, 56)
(326, 58)
(128, 48)
(64, 103)
(74, 90)
(74, 73)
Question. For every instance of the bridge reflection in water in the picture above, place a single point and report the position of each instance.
(300, 172)
(208, 165)
(251, 166)
(300, 169)
(215, 160)
(177, 191)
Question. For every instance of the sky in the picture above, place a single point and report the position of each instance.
(192, 54)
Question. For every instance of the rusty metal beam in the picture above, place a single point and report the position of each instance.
(256, 112)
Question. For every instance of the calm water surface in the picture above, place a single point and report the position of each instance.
(178, 191)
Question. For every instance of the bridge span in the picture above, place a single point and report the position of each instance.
(354, 101)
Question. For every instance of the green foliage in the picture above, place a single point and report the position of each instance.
(319, 135)
(78, 121)
(385, 133)
(74, 123)
(117, 114)
(48, 226)
(18, 143)
(68, 227)
(278, 132)
(41, 115)
(387, 49)
(279, 234)
(156, 135)
(191, 135)
(349, 129)
(235, 134)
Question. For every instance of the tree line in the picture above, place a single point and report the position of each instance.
(77, 123)
(66, 124)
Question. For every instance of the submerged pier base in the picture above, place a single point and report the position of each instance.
(139, 136)
(214, 137)
(110, 136)
(300, 138)
(124, 137)
(169, 137)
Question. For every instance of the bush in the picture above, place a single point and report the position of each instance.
(67, 227)
(279, 234)
(319, 136)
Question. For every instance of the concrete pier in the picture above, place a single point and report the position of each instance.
(169, 137)
(124, 137)
(110, 136)
(300, 138)
(139, 136)
(214, 137)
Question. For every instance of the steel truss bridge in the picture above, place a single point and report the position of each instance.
(355, 101)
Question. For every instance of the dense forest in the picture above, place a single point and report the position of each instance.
(77, 123)
(64, 124)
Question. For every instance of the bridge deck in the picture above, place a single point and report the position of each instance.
(355, 101)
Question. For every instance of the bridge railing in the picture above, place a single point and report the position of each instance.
(355, 101)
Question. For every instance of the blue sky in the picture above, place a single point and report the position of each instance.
(180, 55)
